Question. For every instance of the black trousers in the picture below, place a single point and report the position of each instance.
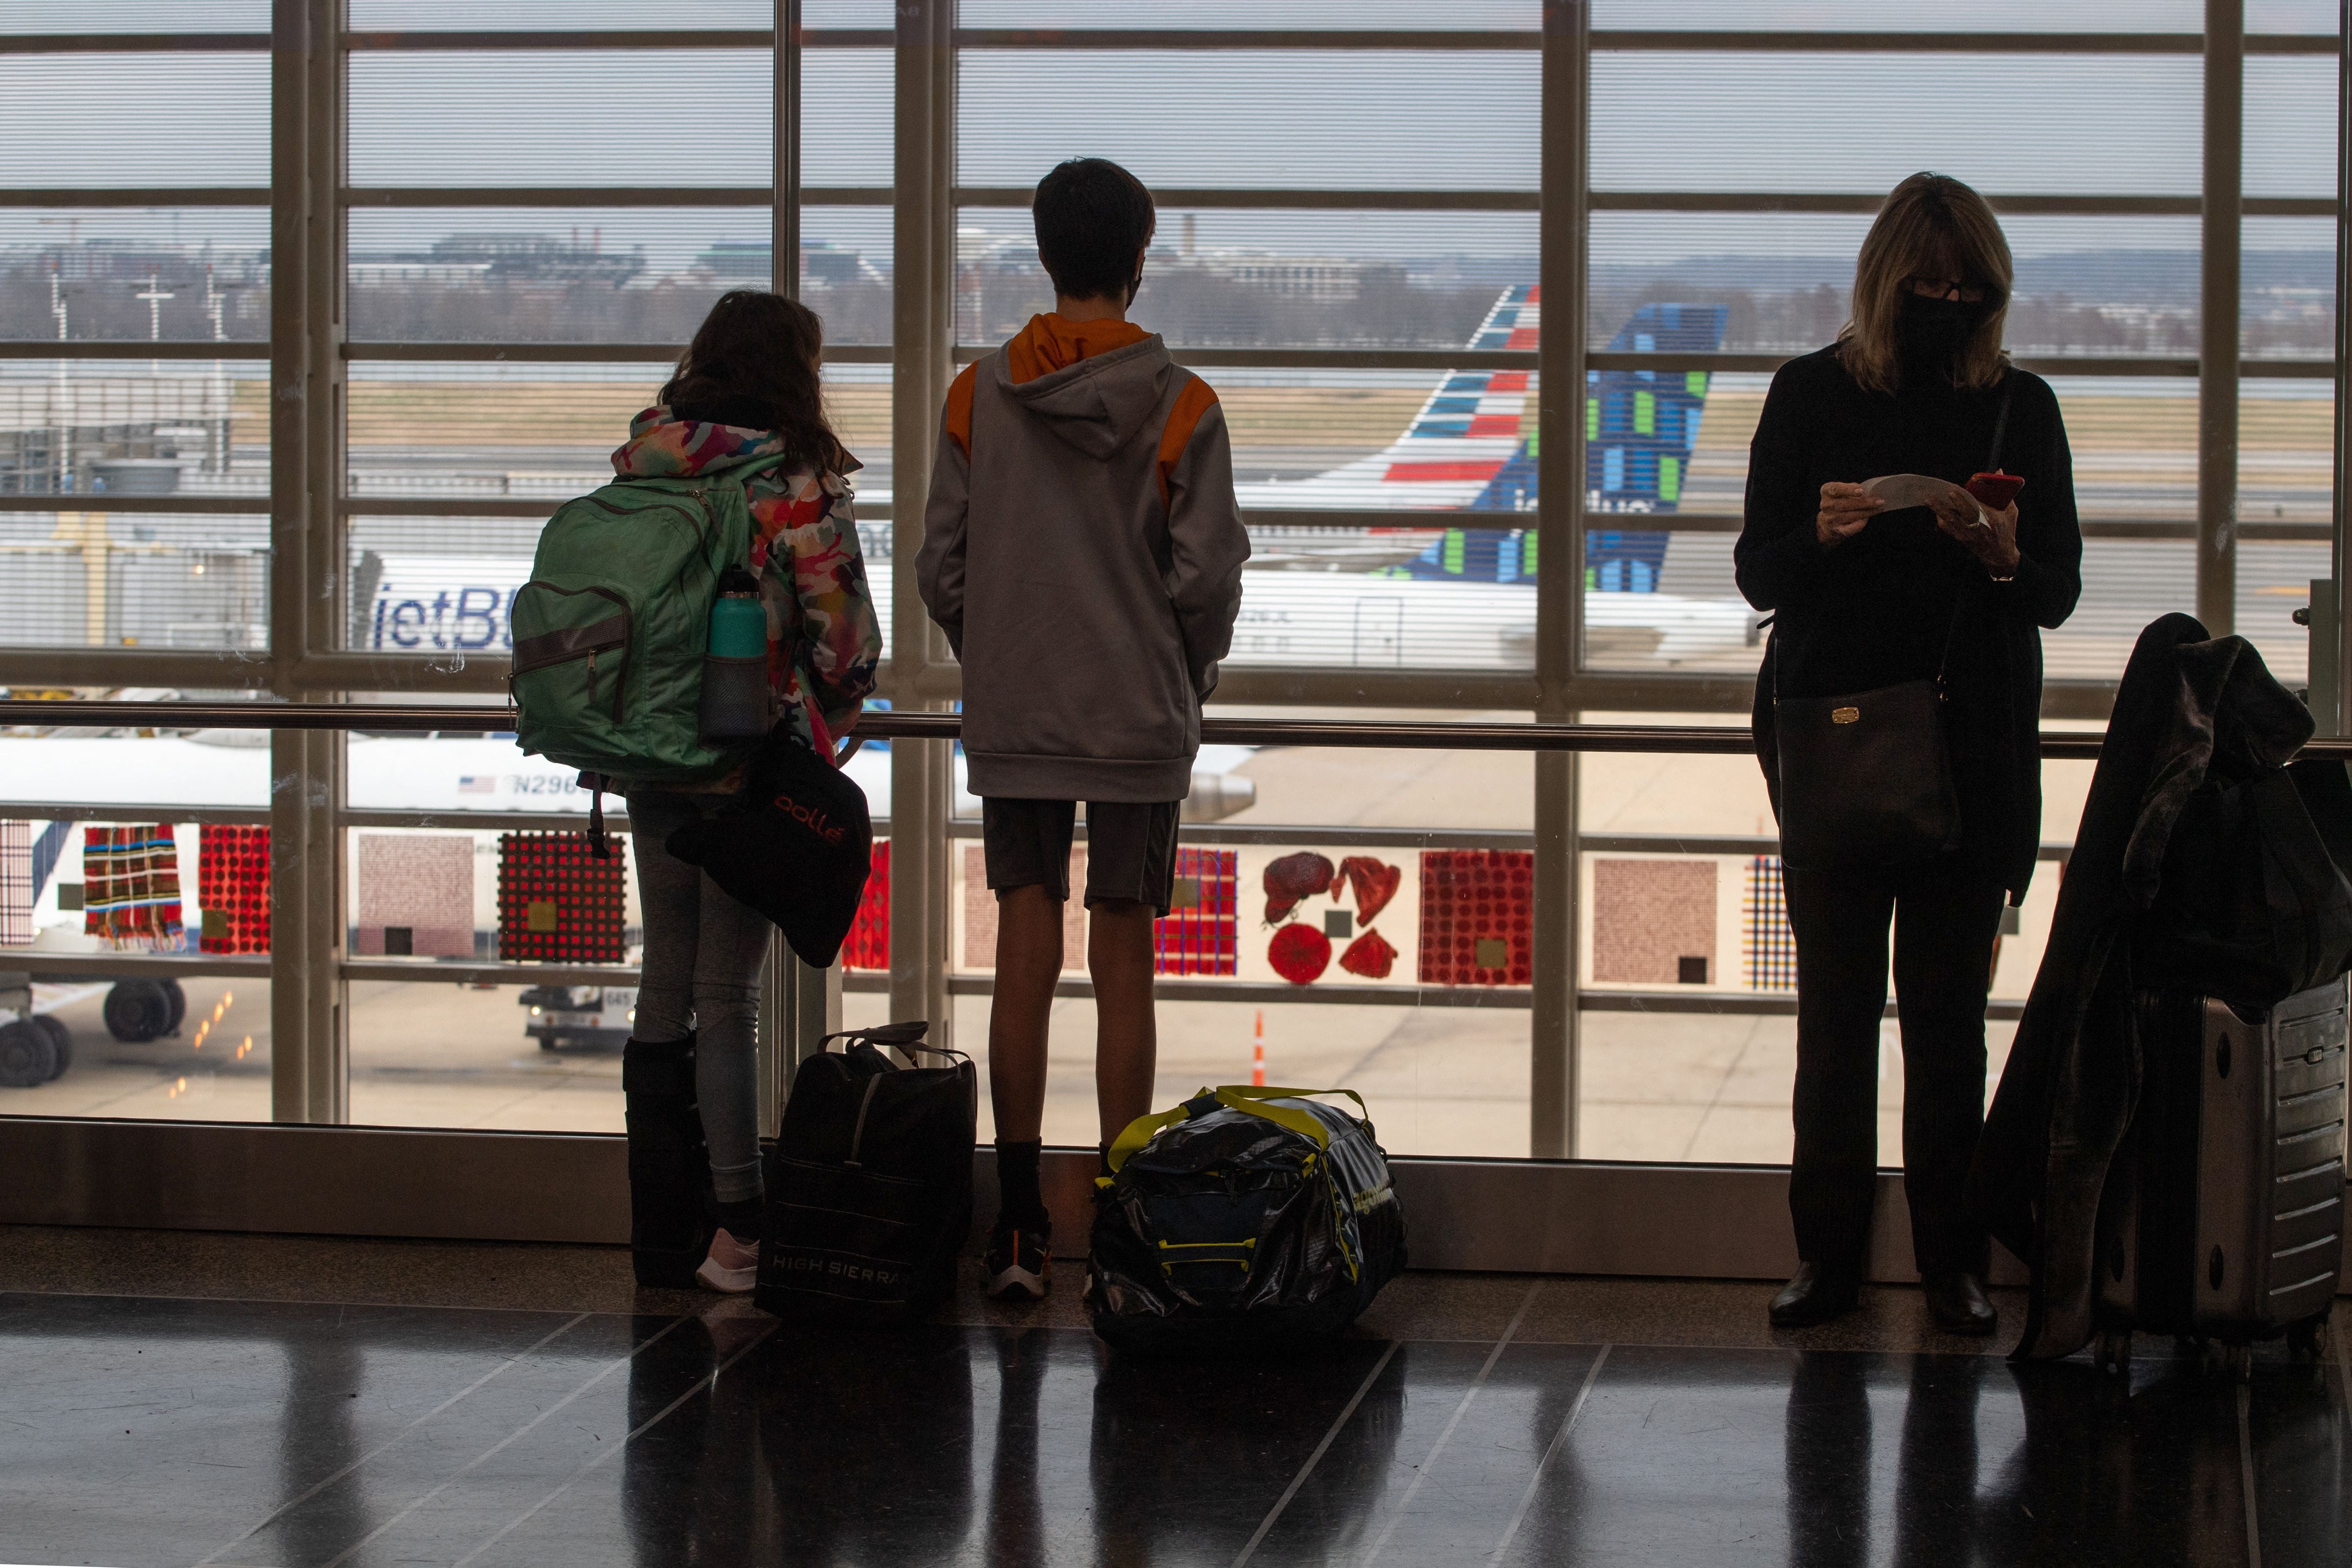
(1945, 920)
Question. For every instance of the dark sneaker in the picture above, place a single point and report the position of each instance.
(1019, 1263)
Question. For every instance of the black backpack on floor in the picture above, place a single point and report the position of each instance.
(869, 1182)
(1247, 1217)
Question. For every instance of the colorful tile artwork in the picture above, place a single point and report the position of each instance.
(130, 886)
(15, 883)
(416, 895)
(1769, 946)
(869, 945)
(1200, 933)
(1478, 916)
(980, 912)
(1321, 913)
(232, 887)
(1653, 921)
(557, 902)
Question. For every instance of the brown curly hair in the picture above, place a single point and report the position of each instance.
(753, 361)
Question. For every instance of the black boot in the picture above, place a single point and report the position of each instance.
(1817, 1293)
(670, 1199)
(1958, 1302)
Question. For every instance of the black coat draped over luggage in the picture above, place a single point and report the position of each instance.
(2204, 863)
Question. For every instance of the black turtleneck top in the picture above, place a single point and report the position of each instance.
(1876, 609)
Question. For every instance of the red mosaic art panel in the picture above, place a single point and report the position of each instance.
(557, 902)
(869, 945)
(232, 887)
(1478, 916)
(1201, 933)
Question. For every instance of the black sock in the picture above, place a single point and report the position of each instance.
(1018, 1201)
(741, 1217)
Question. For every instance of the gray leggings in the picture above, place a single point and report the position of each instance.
(701, 976)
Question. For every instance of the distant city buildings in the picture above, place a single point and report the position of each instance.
(529, 285)
(745, 263)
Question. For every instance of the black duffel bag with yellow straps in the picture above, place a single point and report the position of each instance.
(1245, 1216)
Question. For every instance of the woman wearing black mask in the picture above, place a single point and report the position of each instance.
(1866, 595)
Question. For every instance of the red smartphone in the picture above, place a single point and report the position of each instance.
(1995, 489)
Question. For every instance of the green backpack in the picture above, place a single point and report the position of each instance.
(611, 630)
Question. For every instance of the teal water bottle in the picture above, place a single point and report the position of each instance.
(735, 669)
(738, 626)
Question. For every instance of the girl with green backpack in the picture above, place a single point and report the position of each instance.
(742, 417)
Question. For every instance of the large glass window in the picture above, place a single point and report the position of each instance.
(1352, 203)
(134, 537)
(522, 266)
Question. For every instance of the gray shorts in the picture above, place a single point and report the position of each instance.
(1130, 849)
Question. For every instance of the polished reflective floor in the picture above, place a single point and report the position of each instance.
(226, 1400)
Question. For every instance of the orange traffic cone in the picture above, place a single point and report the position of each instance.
(1257, 1053)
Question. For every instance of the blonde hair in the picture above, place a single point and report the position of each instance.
(1931, 226)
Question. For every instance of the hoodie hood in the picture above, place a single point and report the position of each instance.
(661, 446)
(1093, 384)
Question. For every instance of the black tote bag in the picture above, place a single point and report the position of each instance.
(796, 845)
(1865, 779)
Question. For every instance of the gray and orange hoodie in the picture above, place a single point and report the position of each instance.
(1082, 550)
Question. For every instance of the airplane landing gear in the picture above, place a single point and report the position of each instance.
(139, 1010)
(28, 1054)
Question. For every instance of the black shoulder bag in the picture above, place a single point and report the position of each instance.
(1867, 779)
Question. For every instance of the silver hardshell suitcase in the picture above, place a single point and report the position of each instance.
(2224, 1218)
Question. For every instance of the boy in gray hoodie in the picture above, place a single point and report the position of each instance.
(1083, 551)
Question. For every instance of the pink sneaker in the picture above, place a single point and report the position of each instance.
(733, 1266)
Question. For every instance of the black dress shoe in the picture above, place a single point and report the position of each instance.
(1959, 1304)
(1816, 1294)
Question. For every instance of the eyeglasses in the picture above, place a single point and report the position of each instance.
(1945, 289)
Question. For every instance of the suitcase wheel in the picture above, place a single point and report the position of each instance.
(2307, 1341)
(2115, 1352)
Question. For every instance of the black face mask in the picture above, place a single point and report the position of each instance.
(1931, 331)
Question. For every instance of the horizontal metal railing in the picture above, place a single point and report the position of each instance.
(483, 719)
